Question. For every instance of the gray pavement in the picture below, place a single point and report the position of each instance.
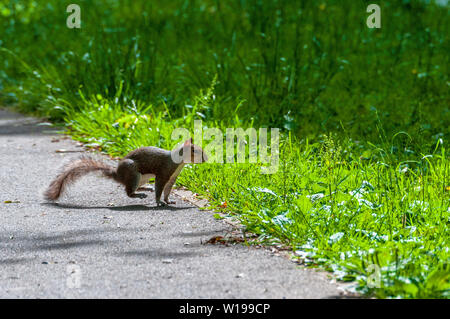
(98, 243)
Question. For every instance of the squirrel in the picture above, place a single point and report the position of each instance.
(134, 170)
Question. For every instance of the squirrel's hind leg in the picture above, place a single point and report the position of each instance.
(130, 177)
(132, 186)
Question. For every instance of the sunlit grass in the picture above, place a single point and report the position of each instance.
(331, 206)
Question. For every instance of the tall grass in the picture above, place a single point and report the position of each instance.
(305, 66)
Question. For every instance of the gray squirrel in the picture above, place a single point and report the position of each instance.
(134, 170)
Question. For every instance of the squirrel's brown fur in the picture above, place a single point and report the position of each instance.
(73, 171)
(133, 170)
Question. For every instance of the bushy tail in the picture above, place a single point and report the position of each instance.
(73, 171)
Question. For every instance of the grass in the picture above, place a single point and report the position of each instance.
(364, 170)
(334, 207)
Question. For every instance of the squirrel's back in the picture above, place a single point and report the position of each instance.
(151, 160)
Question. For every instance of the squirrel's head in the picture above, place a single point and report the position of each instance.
(191, 153)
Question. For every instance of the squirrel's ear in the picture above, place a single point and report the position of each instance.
(188, 142)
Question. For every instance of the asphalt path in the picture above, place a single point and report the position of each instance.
(98, 243)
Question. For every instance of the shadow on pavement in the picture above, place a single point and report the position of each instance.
(118, 208)
(14, 261)
(158, 253)
(16, 124)
(202, 233)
